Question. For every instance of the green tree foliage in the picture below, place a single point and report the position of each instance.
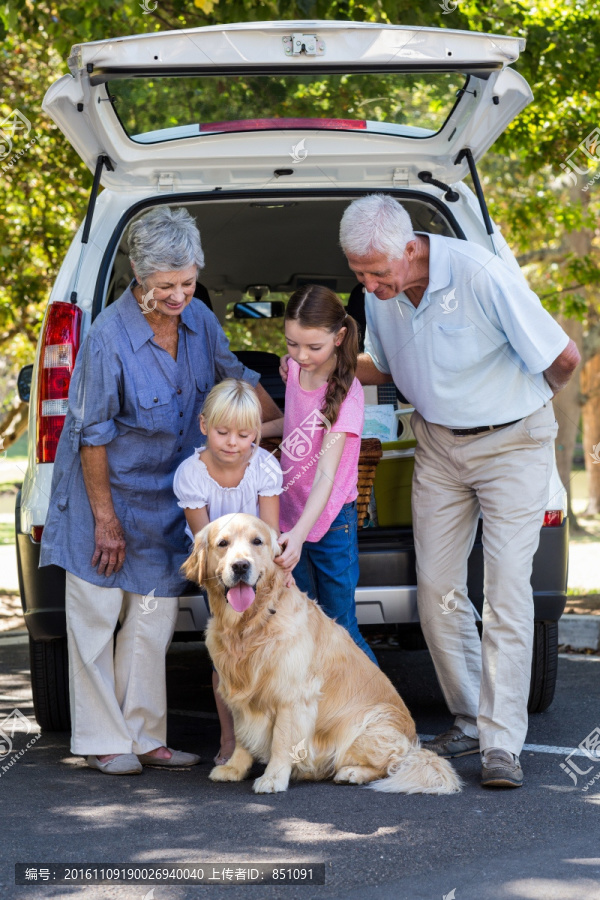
(45, 190)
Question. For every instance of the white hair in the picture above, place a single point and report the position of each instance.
(375, 225)
(164, 240)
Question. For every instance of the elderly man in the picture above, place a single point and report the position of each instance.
(472, 348)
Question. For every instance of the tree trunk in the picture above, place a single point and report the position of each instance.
(567, 408)
(567, 404)
(13, 424)
(590, 388)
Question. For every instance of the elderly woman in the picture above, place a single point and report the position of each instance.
(114, 525)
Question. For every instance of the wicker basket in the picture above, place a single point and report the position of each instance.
(370, 454)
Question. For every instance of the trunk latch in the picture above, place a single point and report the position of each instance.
(165, 181)
(309, 44)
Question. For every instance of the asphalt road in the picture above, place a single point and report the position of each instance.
(541, 842)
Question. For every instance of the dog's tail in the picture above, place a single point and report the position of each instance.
(419, 771)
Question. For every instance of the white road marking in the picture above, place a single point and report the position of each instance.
(533, 748)
(530, 748)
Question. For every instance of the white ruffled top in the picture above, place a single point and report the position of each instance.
(195, 488)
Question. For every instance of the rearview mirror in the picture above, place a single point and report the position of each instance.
(24, 383)
(259, 309)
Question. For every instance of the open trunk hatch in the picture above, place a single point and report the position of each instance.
(335, 102)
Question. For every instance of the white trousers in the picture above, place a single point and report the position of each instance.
(505, 474)
(117, 685)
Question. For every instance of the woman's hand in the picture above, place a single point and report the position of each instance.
(109, 554)
(283, 367)
(292, 544)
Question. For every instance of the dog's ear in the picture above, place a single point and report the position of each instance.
(275, 547)
(194, 568)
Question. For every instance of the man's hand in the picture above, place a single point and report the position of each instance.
(283, 367)
(109, 554)
(557, 375)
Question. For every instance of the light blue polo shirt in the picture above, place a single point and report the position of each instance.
(474, 350)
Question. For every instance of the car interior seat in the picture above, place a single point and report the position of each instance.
(267, 365)
(201, 292)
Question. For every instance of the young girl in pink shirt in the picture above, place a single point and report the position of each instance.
(322, 427)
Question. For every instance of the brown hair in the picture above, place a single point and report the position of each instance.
(314, 306)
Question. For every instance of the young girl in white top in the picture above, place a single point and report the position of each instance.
(229, 474)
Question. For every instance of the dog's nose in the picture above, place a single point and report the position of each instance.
(240, 567)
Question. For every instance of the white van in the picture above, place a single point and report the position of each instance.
(265, 131)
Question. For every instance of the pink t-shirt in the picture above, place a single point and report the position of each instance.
(303, 429)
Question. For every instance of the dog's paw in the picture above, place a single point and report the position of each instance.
(226, 773)
(267, 784)
(354, 775)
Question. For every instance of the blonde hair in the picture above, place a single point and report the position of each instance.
(233, 403)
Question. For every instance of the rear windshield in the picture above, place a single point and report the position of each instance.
(154, 109)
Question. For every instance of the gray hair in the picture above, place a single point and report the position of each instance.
(164, 240)
(375, 225)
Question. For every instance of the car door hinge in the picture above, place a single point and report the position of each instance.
(165, 181)
(400, 178)
(102, 162)
(298, 43)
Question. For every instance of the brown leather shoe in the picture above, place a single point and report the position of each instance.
(499, 768)
(452, 743)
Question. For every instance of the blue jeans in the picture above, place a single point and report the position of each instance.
(328, 571)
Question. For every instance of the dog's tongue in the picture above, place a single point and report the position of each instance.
(241, 596)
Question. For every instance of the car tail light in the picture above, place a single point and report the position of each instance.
(553, 517)
(36, 533)
(60, 343)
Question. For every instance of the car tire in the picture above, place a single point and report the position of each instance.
(544, 666)
(50, 683)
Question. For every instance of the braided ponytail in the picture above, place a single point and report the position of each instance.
(314, 306)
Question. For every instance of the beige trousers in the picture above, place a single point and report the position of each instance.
(117, 685)
(504, 474)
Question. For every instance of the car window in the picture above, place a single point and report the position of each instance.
(162, 108)
(278, 242)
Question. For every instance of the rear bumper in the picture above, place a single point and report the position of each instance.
(387, 557)
(386, 592)
(42, 592)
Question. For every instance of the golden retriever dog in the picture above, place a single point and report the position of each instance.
(305, 699)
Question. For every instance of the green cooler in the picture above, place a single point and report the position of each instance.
(393, 483)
